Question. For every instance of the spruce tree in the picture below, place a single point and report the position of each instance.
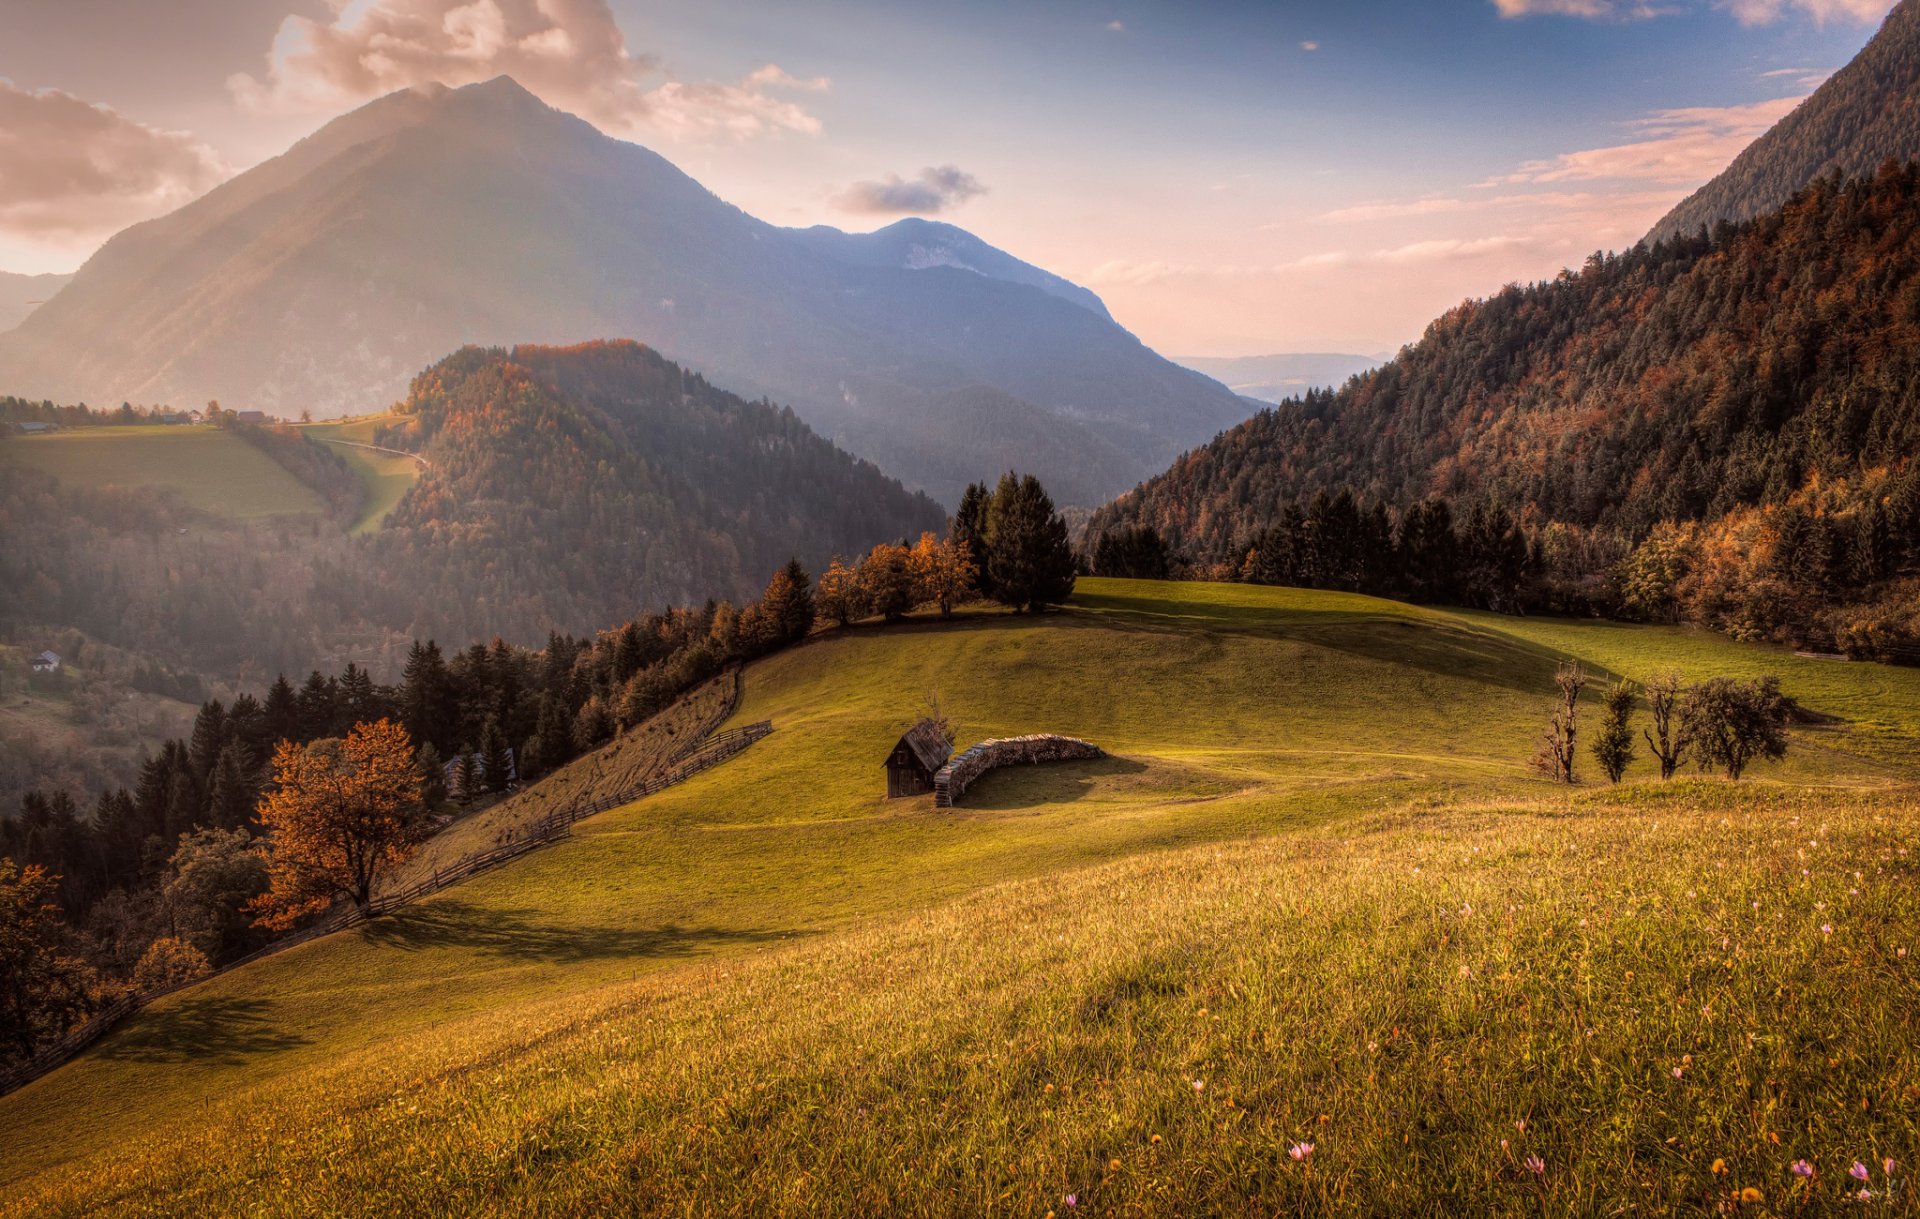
(1030, 563)
(970, 526)
(495, 763)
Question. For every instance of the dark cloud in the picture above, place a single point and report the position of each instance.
(937, 188)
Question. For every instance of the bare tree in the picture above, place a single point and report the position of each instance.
(1557, 744)
(1668, 736)
(938, 717)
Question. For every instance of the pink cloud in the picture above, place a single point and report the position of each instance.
(570, 52)
(1686, 145)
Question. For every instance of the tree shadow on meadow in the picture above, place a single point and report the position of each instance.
(518, 935)
(209, 1029)
(1018, 787)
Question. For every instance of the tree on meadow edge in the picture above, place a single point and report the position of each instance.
(43, 990)
(1668, 736)
(970, 528)
(1029, 560)
(1613, 744)
(1733, 723)
(838, 598)
(1557, 745)
(340, 815)
(886, 581)
(942, 572)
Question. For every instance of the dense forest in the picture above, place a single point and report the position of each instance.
(1866, 114)
(1719, 428)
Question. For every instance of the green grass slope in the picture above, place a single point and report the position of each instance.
(213, 470)
(386, 476)
(1314, 877)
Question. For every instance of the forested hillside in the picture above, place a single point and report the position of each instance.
(570, 485)
(563, 488)
(1866, 114)
(1758, 387)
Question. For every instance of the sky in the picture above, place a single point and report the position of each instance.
(1234, 177)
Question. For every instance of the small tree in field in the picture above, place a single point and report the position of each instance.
(1732, 723)
(1557, 745)
(341, 814)
(838, 599)
(937, 715)
(942, 572)
(1613, 745)
(886, 581)
(1667, 737)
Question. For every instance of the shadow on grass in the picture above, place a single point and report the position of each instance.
(1017, 787)
(211, 1029)
(515, 935)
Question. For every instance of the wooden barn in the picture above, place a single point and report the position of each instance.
(915, 758)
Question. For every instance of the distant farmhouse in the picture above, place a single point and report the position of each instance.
(251, 417)
(45, 662)
(915, 759)
(34, 429)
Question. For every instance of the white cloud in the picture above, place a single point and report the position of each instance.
(570, 52)
(1823, 12)
(1117, 26)
(1682, 146)
(1746, 12)
(937, 188)
(71, 171)
(1309, 45)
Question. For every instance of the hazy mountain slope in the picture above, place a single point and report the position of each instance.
(1272, 378)
(576, 485)
(1867, 113)
(326, 278)
(1672, 382)
(22, 294)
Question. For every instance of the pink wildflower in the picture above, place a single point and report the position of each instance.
(1535, 1165)
(1802, 1169)
(1859, 1171)
(1300, 1151)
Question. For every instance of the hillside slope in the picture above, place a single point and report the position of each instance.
(22, 294)
(1694, 380)
(824, 952)
(326, 278)
(1867, 113)
(574, 485)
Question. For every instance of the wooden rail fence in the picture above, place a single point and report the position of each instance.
(703, 752)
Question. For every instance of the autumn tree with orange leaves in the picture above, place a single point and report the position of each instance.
(339, 815)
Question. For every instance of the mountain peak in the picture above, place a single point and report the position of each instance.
(1867, 113)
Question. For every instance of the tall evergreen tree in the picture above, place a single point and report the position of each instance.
(1030, 561)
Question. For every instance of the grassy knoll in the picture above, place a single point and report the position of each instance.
(213, 470)
(1314, 877)
(385, 475)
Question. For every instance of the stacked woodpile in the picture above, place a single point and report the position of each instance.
(953, 779)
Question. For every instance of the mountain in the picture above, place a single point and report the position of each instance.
(1866, 114)
(428, 220)
(575, 485)
(1758, 384)
(1284, 375)
(22, 294)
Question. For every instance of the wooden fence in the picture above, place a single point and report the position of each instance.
(703, 752)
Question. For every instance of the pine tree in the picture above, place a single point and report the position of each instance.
(970, 526)
(1030, 562)
(281, 714)
(496, 764)
(231, 794)
(209, 738)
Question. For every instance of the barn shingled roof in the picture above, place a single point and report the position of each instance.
(927, 744)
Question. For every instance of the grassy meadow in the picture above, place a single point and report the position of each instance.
(1313, 897)
(213, 470)
(386, 476)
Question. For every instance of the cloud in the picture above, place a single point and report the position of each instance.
(1117, 26)
(1682, 146)
(71, 171)
(934, 189)
(570, 52)
(1309, 45)
(1746, 12)
(1823, 12)
(1591, 10)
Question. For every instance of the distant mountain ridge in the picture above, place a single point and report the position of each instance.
(22, 294)
(1865, 114)
(1275, 378)
(326, 278)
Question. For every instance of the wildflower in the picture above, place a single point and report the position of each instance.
(1802, 1169)
(1750, 1194)
(1535, 1165)
(1859, 1171)
(1521, 1125)
(1826, 929)
(1199, 1085)
(1155, 1139)
(1865, 1195)
(1300, 1151)
(1503, 1144)
(1719, 1168)
(1113, 1165)
(1888, 1166)
(1901, 953)
(1073, 1200)
(1679, 1071)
